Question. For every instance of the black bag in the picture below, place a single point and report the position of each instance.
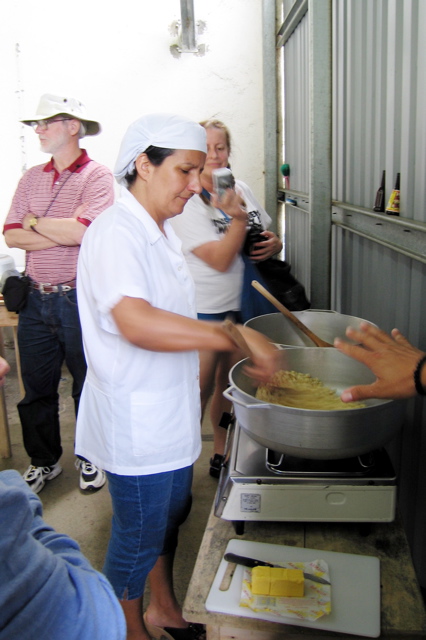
(276, 275)
(283, 285)
(15, 292)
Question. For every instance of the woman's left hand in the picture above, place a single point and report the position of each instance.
(266, 248)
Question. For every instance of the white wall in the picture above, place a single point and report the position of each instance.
(115, 57)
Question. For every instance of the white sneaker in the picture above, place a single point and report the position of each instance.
(36, 477)
(91, 478)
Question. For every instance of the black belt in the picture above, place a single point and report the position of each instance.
(46, 287)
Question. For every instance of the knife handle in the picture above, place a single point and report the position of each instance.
(227, 576)
(246, 562)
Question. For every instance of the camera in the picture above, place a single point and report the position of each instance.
(222, 180)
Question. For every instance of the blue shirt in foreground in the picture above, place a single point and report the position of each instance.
(48, 589)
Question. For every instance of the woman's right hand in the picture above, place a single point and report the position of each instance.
(232, 204)
(266, 359)
(220, 255)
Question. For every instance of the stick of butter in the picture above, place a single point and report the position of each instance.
(276, 581)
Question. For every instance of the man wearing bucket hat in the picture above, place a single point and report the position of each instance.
(56, 107)
(52, 207)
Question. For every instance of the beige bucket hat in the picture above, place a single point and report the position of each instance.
(50, 106)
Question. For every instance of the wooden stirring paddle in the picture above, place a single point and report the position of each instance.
(318, 342)
(237, 337)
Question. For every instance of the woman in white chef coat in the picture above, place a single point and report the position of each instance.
(213, 238)
(139, 415)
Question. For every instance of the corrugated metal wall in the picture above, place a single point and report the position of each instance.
(379, 101)
(378, 263)
(296, 73)
(296, 142)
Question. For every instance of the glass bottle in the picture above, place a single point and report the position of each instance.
(392, 208)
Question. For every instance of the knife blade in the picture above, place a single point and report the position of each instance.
(251, 562)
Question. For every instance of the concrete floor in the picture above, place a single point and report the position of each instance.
(86, 518)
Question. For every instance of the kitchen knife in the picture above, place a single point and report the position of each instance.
(251, 562)
(227, 576)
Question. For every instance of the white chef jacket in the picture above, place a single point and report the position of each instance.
(139, 411)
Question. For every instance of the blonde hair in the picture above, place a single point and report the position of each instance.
(218, 124)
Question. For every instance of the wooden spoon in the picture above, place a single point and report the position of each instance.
(237, 337)
(318, 342)
(296, 396)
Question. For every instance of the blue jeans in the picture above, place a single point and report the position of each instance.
(147, 513)
(49, 334)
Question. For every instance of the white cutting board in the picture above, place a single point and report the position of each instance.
(355, 587)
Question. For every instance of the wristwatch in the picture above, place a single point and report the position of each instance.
(33, 222)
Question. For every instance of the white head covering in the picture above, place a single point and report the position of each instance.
(163, 130)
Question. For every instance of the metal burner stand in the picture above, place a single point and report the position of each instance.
(259, 484)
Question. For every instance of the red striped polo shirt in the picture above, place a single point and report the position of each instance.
(43, 192)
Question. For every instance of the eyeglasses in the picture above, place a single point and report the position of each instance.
(44, 124)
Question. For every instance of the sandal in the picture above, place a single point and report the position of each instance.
(157, 633)
(193, 631)
(216, 465)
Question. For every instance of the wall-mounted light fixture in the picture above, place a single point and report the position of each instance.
(185, 30)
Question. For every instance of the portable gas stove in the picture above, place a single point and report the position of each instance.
(257, 483)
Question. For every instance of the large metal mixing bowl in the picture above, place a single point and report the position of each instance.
(326, 324)
(320, 435)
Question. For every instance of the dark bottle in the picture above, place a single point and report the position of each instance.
(379, 203)
(392, 208)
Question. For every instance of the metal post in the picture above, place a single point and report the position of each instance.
(270, 109)
(320, 85)
(188, 25)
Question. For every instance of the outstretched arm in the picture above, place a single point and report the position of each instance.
(391, 358)
(155, 329)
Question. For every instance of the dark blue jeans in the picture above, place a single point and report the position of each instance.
(49, 334)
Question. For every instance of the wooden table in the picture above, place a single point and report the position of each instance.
(402, 611)
(8, 319)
